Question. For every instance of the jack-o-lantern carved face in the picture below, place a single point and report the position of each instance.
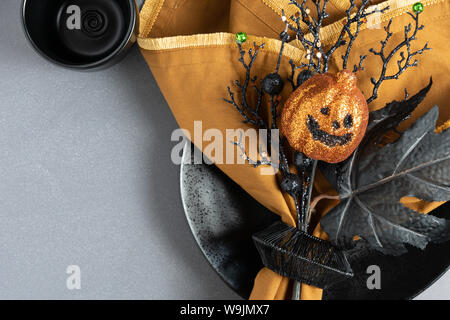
(326, 117)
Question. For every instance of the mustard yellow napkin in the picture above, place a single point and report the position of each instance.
(190, 48)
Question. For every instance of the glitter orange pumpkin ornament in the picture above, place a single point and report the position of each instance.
(326, 117)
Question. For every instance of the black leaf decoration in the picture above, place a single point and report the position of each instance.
(389, 117)
(371, 184)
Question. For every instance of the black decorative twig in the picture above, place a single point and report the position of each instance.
(310, 39)
(313, 48)
(271, 86)
(356, 18)
(255, 163)
(358, 67)
(318, 59)
(292, 74)
(307, 169)
(404, 62)
(250, 114)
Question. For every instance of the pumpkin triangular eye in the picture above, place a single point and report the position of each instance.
(325, 111)
(348, 121)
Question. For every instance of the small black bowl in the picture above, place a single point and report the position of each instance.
(81, 34)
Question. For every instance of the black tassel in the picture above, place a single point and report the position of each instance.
(295, 254)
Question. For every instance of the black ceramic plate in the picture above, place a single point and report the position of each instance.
(223, 218)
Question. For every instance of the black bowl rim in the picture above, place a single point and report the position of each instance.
(108, 60)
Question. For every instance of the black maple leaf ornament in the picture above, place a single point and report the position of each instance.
(374, 179)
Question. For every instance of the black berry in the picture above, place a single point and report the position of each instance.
(291, 184)
(272, 84)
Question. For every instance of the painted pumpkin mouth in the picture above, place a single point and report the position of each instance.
(326, 138)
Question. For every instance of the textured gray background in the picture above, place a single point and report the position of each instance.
(86, 179)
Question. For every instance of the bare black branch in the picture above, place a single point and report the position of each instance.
(250, 114)
(255, 163)
(318, 59)
(358, 67)
(404, 62)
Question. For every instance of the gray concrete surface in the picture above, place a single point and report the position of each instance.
(86, 179)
